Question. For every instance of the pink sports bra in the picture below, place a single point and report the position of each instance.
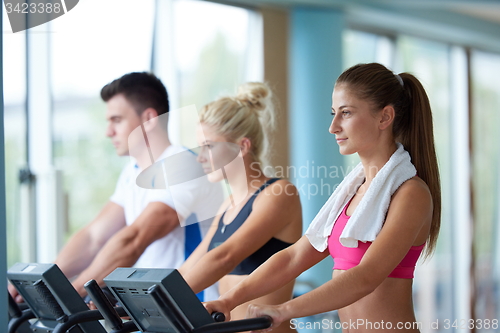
(347, 257)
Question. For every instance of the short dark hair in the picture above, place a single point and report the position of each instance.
(143, 90)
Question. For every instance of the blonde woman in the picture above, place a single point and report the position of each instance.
(262, 215)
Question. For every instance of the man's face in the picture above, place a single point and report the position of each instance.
(122, 120)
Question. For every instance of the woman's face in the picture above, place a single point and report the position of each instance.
(216, 152)
(354, 124)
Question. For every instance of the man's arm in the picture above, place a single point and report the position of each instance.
(83, 246)
(128, 244)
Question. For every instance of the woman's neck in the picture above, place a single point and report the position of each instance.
(157, 143)
(374, 161)
(243, 186)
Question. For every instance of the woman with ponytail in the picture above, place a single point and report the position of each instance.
(261, 216)
(377, 222)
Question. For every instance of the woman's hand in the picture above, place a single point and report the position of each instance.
(91, 305)
(218, 306)
(15, 295)
(260, 310)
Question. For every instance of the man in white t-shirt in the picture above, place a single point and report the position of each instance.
(148, 228)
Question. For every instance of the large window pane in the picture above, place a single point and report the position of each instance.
(14, 78)
(359, 47)
(85, 56)
(486, 182)
(214, 53)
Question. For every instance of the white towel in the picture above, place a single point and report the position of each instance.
(369, 216)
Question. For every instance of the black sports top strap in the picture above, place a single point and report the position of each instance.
(224, 231)
(256, 193)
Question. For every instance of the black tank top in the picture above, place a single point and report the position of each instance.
(223, 232)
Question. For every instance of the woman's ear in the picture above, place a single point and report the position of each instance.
(245, 146)
(149, 119)
(387, 117)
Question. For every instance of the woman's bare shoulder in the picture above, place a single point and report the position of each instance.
(414, 191)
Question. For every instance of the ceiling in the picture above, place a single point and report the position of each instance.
(487, 12)
(474, 23)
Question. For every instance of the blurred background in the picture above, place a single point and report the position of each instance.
(60, 168)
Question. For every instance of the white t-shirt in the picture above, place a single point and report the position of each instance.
(196, 204)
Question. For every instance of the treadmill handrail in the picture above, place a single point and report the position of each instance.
(15, 323)
(242, 325)
(103, 305)
(164, 303)
(84, 317)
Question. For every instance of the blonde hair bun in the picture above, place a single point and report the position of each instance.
(254, 94)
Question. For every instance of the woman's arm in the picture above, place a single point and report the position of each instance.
(276, 272)
(408, 218)
(201, 249)
(272, 211)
